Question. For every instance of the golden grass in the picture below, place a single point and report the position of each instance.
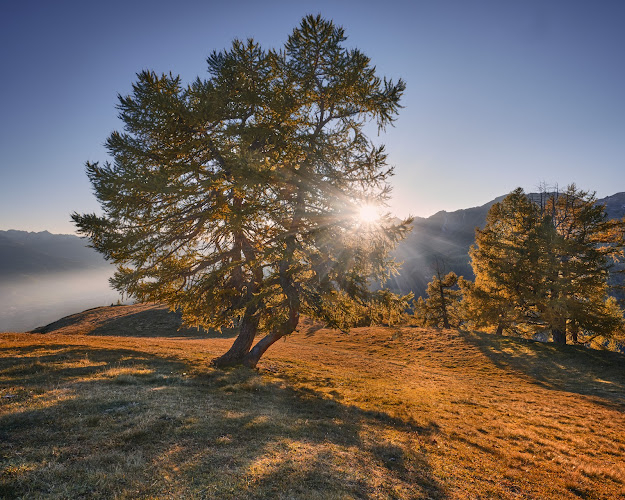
(377, 413)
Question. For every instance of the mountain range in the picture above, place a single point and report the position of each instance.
(29, 254)
(44, 276)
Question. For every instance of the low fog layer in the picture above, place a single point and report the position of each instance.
(26, 303)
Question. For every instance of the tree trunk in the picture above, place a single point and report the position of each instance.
(559, 334)
(574, 332)
(500, 329)
(241, 346)
(443, 304)
(249, 323)
(252, 357)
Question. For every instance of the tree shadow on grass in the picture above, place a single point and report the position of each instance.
(219, 434)
(599, 374)
(47, 364)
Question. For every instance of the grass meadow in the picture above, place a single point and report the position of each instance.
(116, 403)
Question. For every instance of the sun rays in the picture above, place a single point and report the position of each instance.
(369, 213)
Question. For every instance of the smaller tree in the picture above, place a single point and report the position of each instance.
(581, 246)
(505, 260)
(384, 308)
(442, 307)
(544, 263)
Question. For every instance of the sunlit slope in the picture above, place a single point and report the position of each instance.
(115, 401)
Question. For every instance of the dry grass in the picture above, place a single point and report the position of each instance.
(116, 403)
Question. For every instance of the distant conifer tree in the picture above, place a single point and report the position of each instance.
(545, 263)
(235, 199)
(581, 244)
(505, 263)
(441, 308)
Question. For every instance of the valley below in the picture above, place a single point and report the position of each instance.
(36, 300)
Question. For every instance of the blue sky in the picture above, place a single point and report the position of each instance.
(499, 94)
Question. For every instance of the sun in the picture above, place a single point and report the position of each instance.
(369, 213)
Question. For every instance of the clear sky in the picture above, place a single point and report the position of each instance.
(499, 94)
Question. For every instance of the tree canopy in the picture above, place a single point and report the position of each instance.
(235, 198)
(442, 307)
(544, 263)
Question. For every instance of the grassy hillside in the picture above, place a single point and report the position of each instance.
(114, 402)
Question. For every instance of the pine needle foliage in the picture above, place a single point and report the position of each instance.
(234, 199)
(544, 264)
(505, 263)
(441, 309)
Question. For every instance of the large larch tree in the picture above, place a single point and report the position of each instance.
(234, 199)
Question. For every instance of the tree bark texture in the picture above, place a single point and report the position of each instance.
(241, 346)
(574, 332)
(252, 357)
(559, 335)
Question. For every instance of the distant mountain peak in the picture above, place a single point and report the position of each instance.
(32, 253)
